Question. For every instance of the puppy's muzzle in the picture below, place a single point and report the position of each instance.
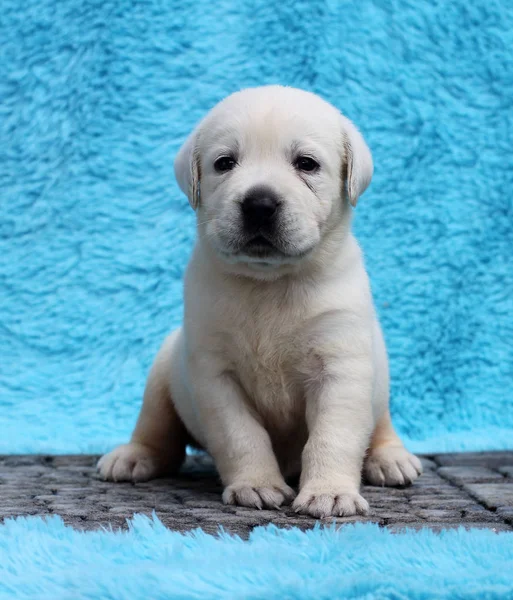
(260, 208)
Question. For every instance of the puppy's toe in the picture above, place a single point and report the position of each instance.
(347, 505)
(130, 462)
(258, 496)
(322, 502)
(392, 466)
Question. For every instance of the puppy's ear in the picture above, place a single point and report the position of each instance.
(358, 168)
(187, 169)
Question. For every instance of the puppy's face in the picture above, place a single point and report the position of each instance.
(269, 170)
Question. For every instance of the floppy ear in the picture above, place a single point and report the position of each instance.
(187, 169)
(358, 167)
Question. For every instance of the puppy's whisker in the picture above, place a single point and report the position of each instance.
(205, 222)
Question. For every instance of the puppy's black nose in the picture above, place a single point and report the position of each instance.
(259, 207)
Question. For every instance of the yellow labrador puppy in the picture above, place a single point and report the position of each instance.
(280, 366)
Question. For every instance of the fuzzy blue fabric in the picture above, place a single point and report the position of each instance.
(95, 99)
(47, 560)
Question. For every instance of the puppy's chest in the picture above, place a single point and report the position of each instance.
(262, 355)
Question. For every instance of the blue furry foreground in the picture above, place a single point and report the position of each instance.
(47, 560)
(96, 98)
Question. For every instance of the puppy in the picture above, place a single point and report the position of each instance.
(280, 367)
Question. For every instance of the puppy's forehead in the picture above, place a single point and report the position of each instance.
(271, 117)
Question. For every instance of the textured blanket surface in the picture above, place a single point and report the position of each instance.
(47, 560)
(95, 99)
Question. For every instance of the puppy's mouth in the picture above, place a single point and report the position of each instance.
(266, 252)
(260, 247)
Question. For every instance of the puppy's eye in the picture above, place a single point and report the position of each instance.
(307, 164)
(224, 164)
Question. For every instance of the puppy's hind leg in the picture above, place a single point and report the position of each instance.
(157, 446)
(388, 462)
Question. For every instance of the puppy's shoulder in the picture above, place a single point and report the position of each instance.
(345, 285)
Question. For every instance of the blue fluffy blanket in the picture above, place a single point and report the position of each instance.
(45, 560)
(96, 97)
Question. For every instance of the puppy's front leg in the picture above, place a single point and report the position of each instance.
(239, 444)
(339, 418)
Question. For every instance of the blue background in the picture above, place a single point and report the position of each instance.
(97, 96)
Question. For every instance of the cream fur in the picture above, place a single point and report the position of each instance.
(280, 366)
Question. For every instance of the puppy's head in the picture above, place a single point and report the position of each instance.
(270, 170)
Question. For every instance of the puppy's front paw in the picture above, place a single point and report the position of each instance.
(392, 466)
(258, 495)
(324, 500)
(130, 462)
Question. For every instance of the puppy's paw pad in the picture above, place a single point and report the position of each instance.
(321, 503)
(130, 462)
(258, 496)
(392, 466)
